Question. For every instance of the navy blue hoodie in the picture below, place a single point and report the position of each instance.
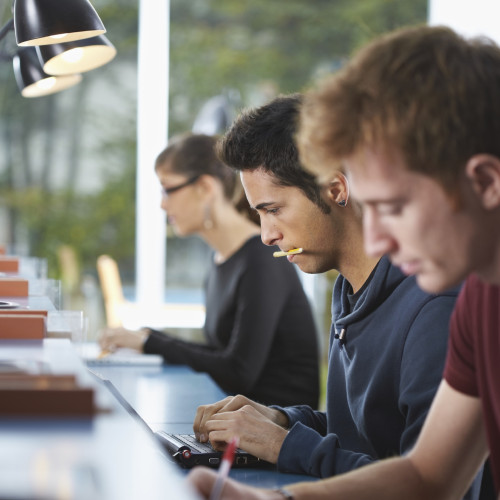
(383, 375)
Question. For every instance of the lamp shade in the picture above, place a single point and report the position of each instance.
(31, 79)
(77, 56)
(41, 22)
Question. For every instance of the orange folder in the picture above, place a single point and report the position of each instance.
(29, 312)
(23, 326)
(9, 264)
(13, 287)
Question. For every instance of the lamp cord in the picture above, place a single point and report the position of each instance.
(8, 26)
(4, 30)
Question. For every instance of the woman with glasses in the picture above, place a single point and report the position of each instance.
(259, 330)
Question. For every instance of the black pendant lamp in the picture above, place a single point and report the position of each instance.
(42, 22)
(77, 56)
(33, 81)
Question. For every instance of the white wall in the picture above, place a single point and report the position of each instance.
(470, 18)
(152, 134)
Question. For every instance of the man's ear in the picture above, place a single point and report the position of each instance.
(337, 190)
(483, 171)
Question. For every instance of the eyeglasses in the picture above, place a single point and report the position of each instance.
(168, 191)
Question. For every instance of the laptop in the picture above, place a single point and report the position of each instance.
(184, 449)
(188, 452)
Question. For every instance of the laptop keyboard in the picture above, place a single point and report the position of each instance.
(191, 441)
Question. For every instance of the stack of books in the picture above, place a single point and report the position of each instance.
(27, 388)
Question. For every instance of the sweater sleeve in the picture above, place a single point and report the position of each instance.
(305, 450)
(174, 350)
(259, 302)
(306, 415)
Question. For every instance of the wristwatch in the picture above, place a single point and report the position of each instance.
(287, 495)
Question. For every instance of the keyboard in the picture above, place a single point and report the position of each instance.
(191, 441)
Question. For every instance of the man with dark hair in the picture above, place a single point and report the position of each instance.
(384, 327)
(415, 121)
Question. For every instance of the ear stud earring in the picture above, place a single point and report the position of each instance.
(342, 203)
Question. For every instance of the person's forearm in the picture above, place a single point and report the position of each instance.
(391, 479)
(279, 418)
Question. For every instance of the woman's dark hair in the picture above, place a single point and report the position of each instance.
(194, 155)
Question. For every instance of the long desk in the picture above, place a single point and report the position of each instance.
(166, 398)
(108, 456)
(32, 302)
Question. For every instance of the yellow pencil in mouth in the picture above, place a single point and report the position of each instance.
(293, 251)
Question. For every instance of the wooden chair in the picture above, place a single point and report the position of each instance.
(122, 312)
(112, 290)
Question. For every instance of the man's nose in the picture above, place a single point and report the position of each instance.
(269, 234)
(378, 240)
